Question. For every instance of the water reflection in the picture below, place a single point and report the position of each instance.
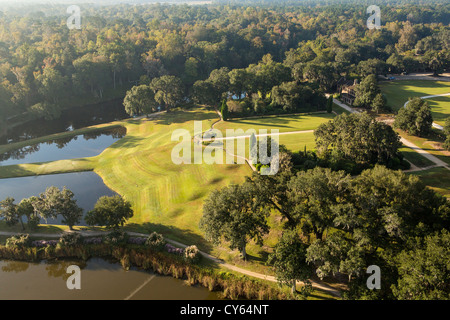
(71, 119)
(100, 279)
(87, 187)
(81, 146)
(15, 266)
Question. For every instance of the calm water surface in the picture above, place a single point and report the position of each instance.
(100, 279)
(81, 146)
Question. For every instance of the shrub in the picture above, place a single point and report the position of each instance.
(71, 239)
(18, 241)
(116, 237)
(192, 254)
(155, 241)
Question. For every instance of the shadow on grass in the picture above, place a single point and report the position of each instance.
(14, 171)
(127, 142)
(184, 236)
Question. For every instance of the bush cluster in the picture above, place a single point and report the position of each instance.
(155, 241)
(18, 241)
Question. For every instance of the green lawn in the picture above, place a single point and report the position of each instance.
(432, 144)
(282, 123)
(297, 142)
(440, 107)
(415, 158)
(339, 110)
(437, 179)
(398, 92)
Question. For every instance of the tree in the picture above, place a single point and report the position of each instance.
(139, 100)
(8, 211)
(415, 118)
(330, 104)
(424, 271)
(366, 92)
(51, 84)
(203, 92)
(267, 74)
(234, 213)
(293, 96)
(289, 262)
(314, 195)
(54, 202)
(168, 90)
(378, 103)
(395, 63)
(359, 138)
(322, 73)
(220, 80)
(111, 212)
(224, 110)
(238, 81)
(447, 133)
(382, 212)
(26, 208)
(372, 67)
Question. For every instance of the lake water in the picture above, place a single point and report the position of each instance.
(100, 279)
(71, 119)
(87, 187)
(81, 146)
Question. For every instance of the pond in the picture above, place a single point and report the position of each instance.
(100, 280)
(87, 187)
(71, 119)
(81, 146)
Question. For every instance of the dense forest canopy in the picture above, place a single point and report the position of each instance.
(42, 62)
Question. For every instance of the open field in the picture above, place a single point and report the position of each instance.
(398, 92)
(282, 123)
